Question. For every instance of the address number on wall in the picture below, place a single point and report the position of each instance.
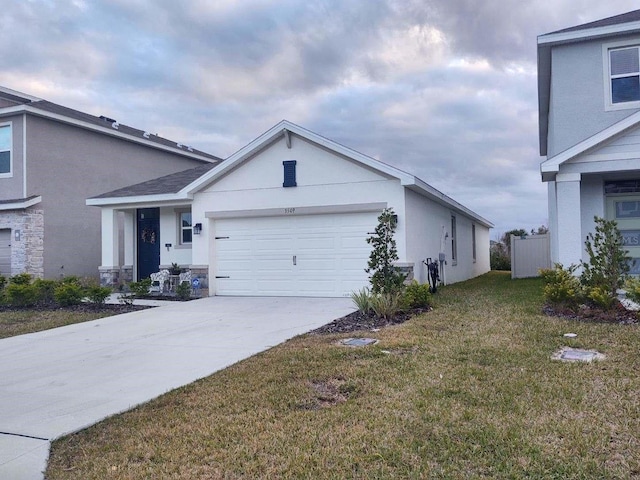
(289, 211)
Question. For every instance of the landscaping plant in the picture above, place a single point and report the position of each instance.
(608, 265)
(384, 276)
(561, 286)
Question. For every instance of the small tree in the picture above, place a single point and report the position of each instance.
(384, 276)
(609, 264)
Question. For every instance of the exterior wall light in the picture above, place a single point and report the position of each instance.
(197, 229)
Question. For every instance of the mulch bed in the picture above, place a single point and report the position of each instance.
(366, 321)
(588, 313)
(83, 307)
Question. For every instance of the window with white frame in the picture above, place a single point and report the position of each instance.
(623, 73)
(624, 64)
(185, 227)
(473, 241)
(5, 150)
(454, 243)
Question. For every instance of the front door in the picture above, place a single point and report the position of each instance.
(148, 241)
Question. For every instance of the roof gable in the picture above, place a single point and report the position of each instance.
(283, 131)
(606, 137)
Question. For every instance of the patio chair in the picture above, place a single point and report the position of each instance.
(158, 280)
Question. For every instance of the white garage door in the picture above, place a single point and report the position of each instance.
(306, 256)
(5, 252)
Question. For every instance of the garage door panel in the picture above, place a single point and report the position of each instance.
(331, 254)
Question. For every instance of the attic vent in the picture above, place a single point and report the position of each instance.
(115, 125)
(107, 119)
(146, 134)
(289, 173)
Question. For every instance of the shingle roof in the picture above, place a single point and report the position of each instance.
(633, 16)
(17, 200)
(168, 184)
(104, 122)
(107, 123)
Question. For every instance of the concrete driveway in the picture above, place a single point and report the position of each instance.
(59, 381)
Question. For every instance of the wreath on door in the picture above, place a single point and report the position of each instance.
(148, 236)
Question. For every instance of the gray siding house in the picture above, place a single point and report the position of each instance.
(51, 159)
(589, 109)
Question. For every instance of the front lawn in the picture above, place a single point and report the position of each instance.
(465, 391)
(18, 321)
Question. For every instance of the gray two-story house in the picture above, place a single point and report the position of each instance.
(51, 159)
(589, 108)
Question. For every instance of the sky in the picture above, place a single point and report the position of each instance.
(443, 89)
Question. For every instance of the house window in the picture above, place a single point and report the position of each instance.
(454, 243)
(624, 68)
(185, 228)
(473, 241)
(289, 173)
(5, 150)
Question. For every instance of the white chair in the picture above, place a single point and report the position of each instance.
(185, 277)
(158, 280)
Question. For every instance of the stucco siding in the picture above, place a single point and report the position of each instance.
(323, 179)
(577, 102)
(13, 187)
(425, 222)
(66, 165)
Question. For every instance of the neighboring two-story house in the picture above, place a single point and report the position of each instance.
(51, 159)
(589, 107)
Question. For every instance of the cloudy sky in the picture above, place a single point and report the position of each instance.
(444, 89)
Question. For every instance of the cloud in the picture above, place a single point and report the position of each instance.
(444, 89)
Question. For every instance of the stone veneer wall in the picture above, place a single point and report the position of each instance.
(27, 254)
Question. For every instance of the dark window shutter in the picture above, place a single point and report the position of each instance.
(289, 173)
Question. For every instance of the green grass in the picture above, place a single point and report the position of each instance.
(19, 322)
(466, 391)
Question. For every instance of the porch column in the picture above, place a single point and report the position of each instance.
(129, 245)
(569, 225)
(109, 270)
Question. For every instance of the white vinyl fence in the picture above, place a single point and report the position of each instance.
(529, 254)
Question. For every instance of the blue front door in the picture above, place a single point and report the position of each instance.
(148, 235)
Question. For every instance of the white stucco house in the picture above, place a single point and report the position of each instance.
(589, 130)
(287, 215)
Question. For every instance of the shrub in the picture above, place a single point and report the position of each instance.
(97, 294)
(45, 291)
(499, 259)
(417, 295)
(67, 294)
(600, 297)
(384, 276)
(609, 264)
(632, 287)
(141, 288)
(386, 305)
(183, 291)
(362, 300)
(21, 294)
(3, 282)
(21, 279)
(561, 287)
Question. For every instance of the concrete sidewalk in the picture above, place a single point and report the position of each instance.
(59, 381)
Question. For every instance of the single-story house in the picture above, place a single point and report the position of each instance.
(287, 215)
